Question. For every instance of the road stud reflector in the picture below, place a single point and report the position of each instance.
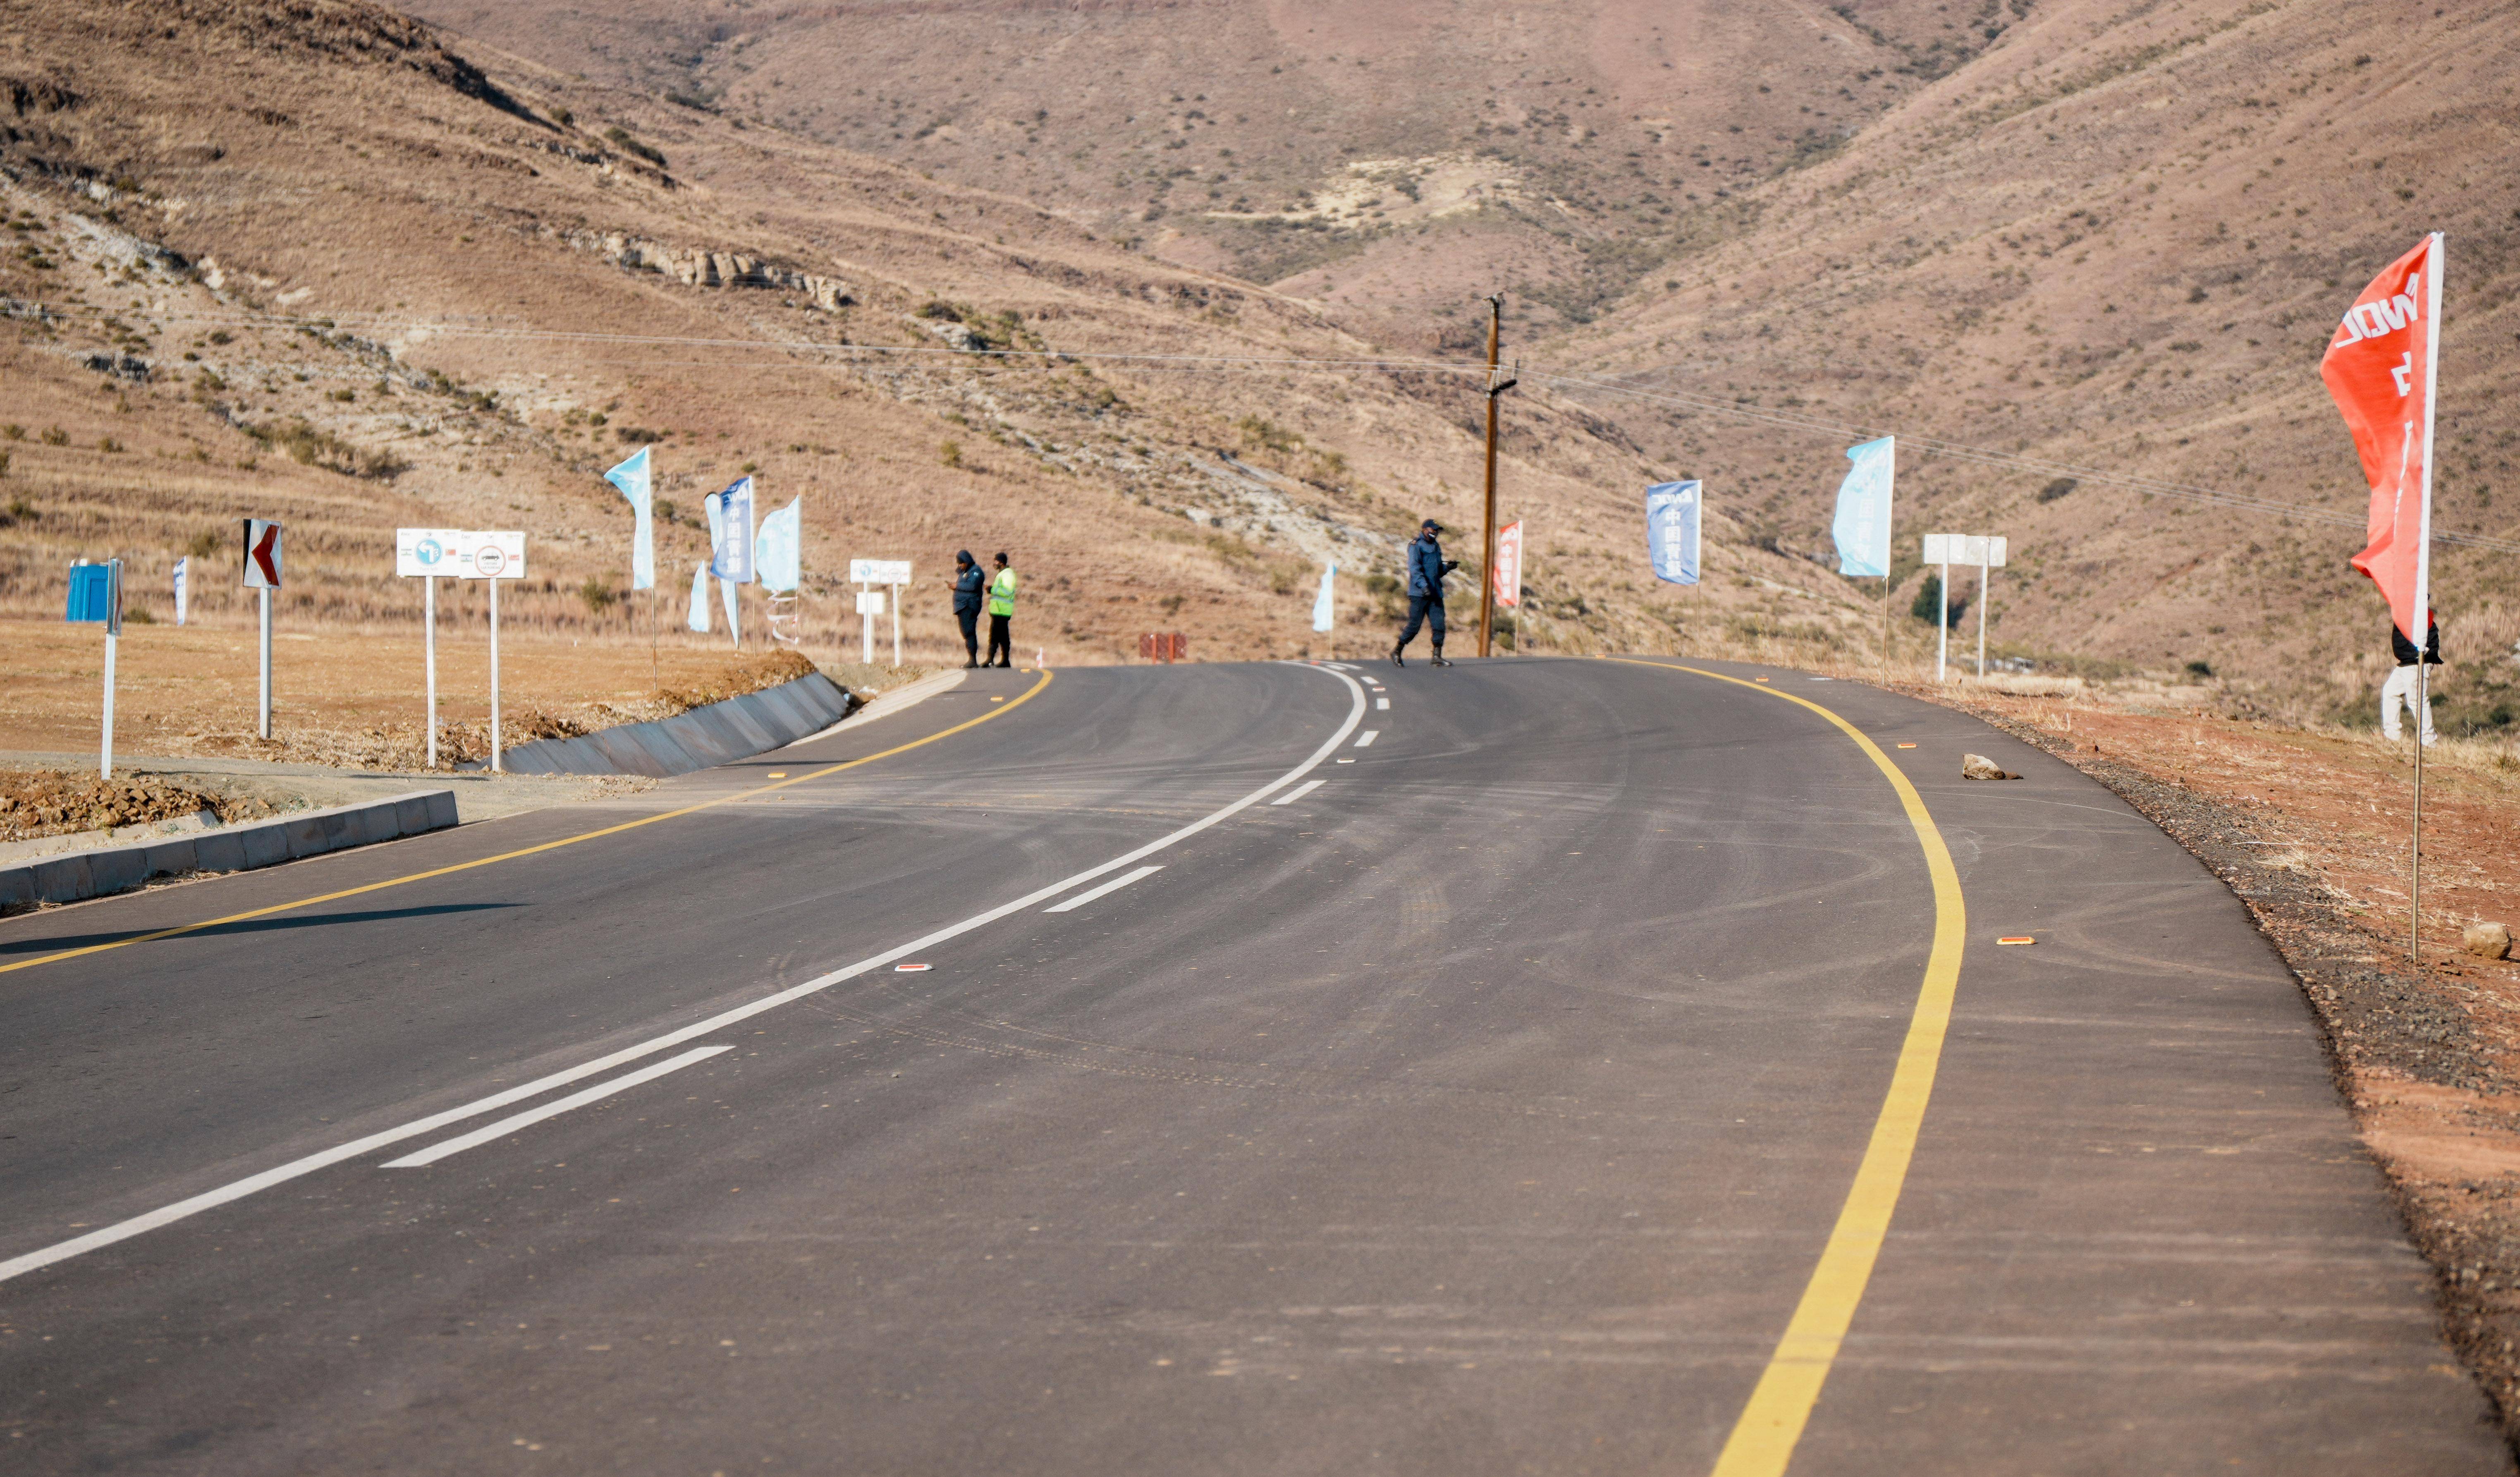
(911, 969)
(777, 774)
(1907, 745)
(2017, 939)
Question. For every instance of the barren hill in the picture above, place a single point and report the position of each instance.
(2103, 234)
(308, 259)
(1391, 160)
(2120, 238)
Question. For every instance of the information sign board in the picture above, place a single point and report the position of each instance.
(421, 551)
(490, 554)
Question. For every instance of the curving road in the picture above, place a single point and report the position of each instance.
(1481, 1097)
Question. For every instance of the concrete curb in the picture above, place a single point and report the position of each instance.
(736, 729)
(83, 874)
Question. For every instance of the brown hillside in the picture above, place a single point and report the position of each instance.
(1388, 161)
(296, 257)
(2120, 238)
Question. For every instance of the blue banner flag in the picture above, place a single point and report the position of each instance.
(631, 476)
(699, 619)
(729, 520)
(1671, 530)
(777, 554)
(1322, 601)
(1863, 526)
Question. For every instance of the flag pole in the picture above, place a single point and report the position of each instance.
(2423, 610)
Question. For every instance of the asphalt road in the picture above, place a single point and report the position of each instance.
(1485, 1109)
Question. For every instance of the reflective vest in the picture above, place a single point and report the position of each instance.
(1002, 592)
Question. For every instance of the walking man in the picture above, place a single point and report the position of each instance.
(2401, 685)
(966, 604)
(1427, 567)
(1002, 608)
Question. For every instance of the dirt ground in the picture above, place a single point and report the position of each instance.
(347, 699)
(2313, 832)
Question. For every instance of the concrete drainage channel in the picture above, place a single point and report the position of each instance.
(721, 731)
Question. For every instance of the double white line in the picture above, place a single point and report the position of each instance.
(418, 1128)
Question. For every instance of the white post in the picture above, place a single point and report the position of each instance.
(497, 764)
(1985, 552)
(112, 631)
(106, 764)
(1943, 624)
(896, 627)
(428, 624)
(866, 629)
(266, 661)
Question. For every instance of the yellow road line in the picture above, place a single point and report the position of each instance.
(1763, 1439)
(527, 851)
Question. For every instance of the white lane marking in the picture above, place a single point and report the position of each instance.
(532, 1116)
(1113, 885)
(1299, 791)
(282, 1174)
(1382, 705)
(1366, 738)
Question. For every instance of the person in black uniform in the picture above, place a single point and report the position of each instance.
(1427, 567)
(967, 583)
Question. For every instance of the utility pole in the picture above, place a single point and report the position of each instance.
(1487, 558)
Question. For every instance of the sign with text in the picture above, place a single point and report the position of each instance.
(420, 552)
(879, 572)
(491, 555)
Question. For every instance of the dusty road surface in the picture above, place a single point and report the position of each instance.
(1268, 1068)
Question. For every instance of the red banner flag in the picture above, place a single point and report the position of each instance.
(1509, 564)
(2381, 367)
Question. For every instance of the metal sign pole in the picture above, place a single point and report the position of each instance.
(497, 765)
(265, 593)
(896, 626)
(1943, 623)
(428, 623)
(1985, 553)
(112, 631)
(866, 628)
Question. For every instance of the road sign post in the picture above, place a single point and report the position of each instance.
(96, 598)
(262, 576)
(425, 553)
(864, 572)
(1990, 557)
(494, 556)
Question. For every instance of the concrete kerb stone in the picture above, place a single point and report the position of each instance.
(80, 876)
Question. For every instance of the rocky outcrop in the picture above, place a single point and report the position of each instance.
(697, 267)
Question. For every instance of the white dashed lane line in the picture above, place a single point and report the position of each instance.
(1113, 885)
(532, 1116)
(1366, 738)
(1298, 793)
(1382, 705)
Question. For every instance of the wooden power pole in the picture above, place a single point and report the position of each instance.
(1488, 541)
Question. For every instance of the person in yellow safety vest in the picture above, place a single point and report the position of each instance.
(1002, 608)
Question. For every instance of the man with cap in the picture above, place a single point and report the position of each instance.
(1427, 567)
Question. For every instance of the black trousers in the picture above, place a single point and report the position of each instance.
(971, 621)
(1423, 610)
(1001, 649)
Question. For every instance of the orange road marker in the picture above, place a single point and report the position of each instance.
(2018, 938)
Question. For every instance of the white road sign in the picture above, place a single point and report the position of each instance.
(422, 551)
(262, 555)
(879, 572)
(1965, 549)
(870, 602)
(495, 555)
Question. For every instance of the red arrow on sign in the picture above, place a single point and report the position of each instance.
(266, 554)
